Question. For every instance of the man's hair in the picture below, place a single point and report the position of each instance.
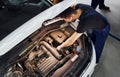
(67, 12)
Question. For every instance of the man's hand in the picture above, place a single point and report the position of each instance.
(70, 40)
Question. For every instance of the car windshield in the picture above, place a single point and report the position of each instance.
(12, 16)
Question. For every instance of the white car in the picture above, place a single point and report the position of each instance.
(30, 50)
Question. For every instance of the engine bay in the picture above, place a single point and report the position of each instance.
(42, 59)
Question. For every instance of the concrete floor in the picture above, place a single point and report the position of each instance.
(109, 65)
(110, 61)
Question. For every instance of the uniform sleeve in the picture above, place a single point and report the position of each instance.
(80, 27)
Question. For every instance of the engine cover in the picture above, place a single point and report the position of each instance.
(59, 36)
(46, 61)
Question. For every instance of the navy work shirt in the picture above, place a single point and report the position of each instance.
(90, 19)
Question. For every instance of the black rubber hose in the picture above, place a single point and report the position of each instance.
(115, 37)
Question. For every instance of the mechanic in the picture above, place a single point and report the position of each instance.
(89, 19)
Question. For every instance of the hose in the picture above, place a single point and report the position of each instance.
(115, 37)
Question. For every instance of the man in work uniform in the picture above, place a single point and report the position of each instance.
(89, 19)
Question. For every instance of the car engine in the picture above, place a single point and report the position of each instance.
(42, 59)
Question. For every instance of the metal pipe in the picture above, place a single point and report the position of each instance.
(52, 50)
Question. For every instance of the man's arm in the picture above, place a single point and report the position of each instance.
(70, 40)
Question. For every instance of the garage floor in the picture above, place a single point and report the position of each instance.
(109, 65)
(110, 59)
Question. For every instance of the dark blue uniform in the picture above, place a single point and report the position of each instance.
(91, 19)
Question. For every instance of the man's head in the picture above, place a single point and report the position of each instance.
(69, 14)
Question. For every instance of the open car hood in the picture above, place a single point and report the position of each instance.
(32, 25)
